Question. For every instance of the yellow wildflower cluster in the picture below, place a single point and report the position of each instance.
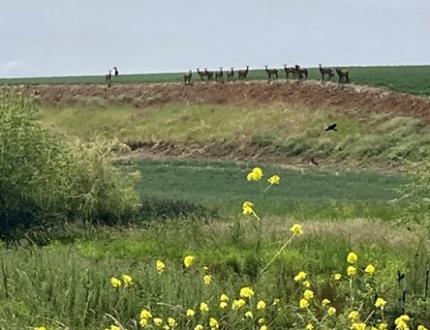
(248, 208)
(255, 175)
(117, 283)
(274, 179)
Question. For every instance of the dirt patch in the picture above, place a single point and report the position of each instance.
(311, 93)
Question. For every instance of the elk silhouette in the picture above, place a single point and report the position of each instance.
(301, 72)
(290, 70)
(209, 74)
(343, 75)
(242, 74)
(108, 78)
(219, 76)
(230, 74)
(187, 78)
(202, 74)
(326, 71)
(271, 73)
(115, 70)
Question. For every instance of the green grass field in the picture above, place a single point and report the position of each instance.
(309, 194)
(408, 79)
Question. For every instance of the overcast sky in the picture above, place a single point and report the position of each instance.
(78, 37)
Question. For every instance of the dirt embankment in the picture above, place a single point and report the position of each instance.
(311, 93)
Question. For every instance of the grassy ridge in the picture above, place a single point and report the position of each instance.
(408, 79)
(288, 130)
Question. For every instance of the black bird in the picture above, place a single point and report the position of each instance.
(313, 162)
(332, 127)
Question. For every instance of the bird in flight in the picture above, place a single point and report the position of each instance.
(332, 127)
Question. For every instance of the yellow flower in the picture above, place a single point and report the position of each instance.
(160, 266)
(275, 301)
(303, 303)
(204, 308)
(189, 261)
(207, 279)
(274, 179)
(296, 229)
(337, 277)
(421, 327)
(306, 284)
(255, 175)
(261, 321)
(264, 327)
(402, 322)
(370, 269)
(157, 321)
(238, 304)
(171, 322)
(326, 302)
(249, 315)
(246, 292)
(261, 305)
(354, 316)
(112, 327)
(143, 322)
(166, 327)
(301, 276)
(116, 283)
(352, 258)
(128, 280)
(213, 323)
(383, 326)
(198, 327)
(190, 313)
(309, 326)
(224, 297)
(380, 303)
(39, 328)
(145, 314)
(358, 326)
(248, 208)
(351, 271)
(308, 294)
(223, 304)
(331, 311)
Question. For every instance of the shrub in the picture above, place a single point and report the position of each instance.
(46, 178)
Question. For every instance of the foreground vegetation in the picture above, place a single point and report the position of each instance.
(407, 79)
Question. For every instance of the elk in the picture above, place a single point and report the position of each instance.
(219, 76)
(108, 78)
(301, 72)
(242, 74)
(326, 71)
(209, 74)
(202, 74)
(288, 70)
(187, 78)
(271, 73)
(343, 75)
(115, 70)
(230, 74)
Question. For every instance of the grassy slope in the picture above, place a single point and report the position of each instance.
(409, 79)
(288, 130)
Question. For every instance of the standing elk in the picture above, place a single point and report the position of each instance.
(343, 75)
(187, 78)
(115, 70)
(219, 76)
(108, 78)
(230, 74)
(242, 74)
(209, 74)
(326, 71)
(290, 70)
(301, 72)
(202, 74)
(271, 73)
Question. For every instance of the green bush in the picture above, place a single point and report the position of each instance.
(46, 178)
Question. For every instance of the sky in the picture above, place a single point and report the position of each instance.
(81, 37)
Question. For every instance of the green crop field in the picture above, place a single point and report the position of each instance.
(408, 79)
